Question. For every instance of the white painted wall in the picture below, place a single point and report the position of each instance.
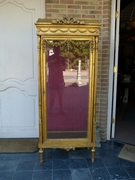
(18, 67)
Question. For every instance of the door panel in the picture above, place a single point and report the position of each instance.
(18, 67)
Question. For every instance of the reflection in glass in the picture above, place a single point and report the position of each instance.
(56, 66)
(67, 90)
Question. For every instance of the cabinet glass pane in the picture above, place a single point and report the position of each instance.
(67, 89)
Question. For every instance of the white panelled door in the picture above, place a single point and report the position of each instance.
(18, 67)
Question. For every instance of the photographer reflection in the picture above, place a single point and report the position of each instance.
(56, 65)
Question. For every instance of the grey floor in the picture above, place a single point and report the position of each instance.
(73, 165)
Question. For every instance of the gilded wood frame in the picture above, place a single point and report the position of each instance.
(67, 29)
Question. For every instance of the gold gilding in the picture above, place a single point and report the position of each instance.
(53, 32)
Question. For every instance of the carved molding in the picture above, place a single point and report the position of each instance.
(67, 20)
(68, 30)
(59, 43)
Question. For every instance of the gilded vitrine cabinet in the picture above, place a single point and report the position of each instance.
(67, 74)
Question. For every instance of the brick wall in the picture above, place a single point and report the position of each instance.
(91, 9)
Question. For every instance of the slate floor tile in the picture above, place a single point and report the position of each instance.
(8, 175)
(21, 175)
(2, 156)
(118, 173)
(48, 153)
(81, 174)
(100, 174)
(126, 163)
(26, 165)
(98, 163)
(111, 161)
(11, 157)
(60, 164)
(47, 164)
(78, 163)
(8, 166)
(42, 175)
(80, 153)
(131, 171)
(28, 157)
(62, 175)
(60, 154)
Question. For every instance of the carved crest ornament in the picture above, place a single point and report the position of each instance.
(67, 20)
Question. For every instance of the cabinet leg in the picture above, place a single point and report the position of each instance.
(93, 154)
(41, 154)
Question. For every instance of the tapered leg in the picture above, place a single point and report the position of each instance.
(41, 154)
(93, 154)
